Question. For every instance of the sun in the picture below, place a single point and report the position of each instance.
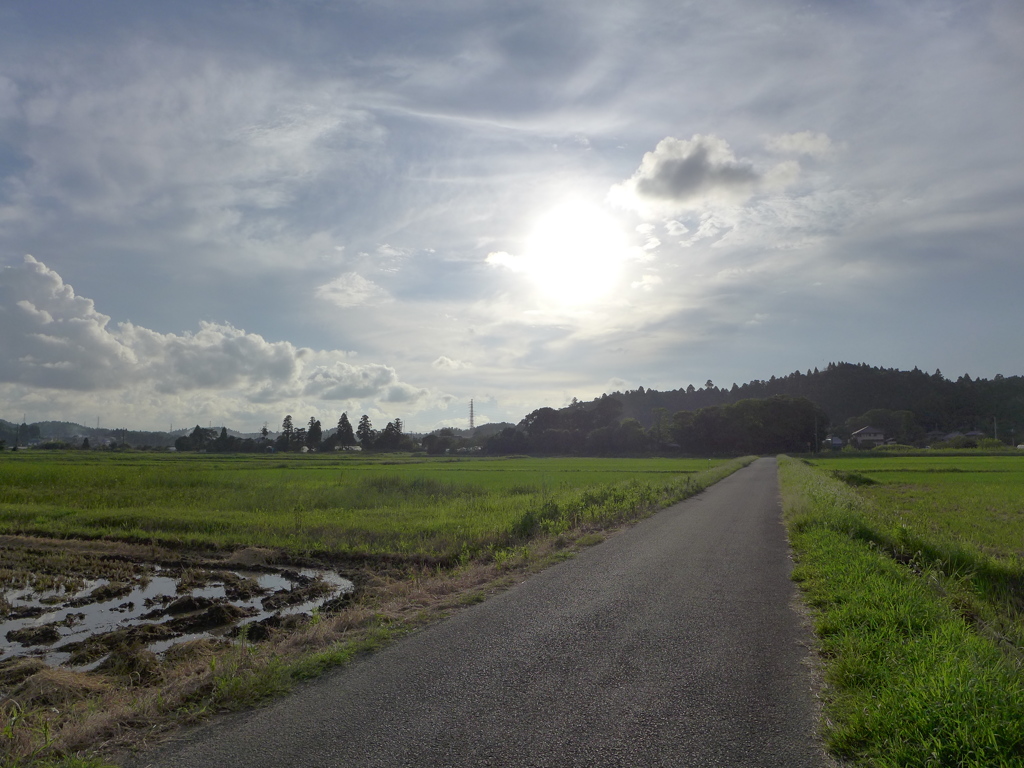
(575, 253)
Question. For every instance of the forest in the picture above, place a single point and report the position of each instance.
(790, 413)
(848, 390)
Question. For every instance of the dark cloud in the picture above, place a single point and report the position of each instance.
(688, 174)
(682, 171)
(344, 381)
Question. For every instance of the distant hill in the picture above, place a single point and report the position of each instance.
(74, 434)
(846, 391)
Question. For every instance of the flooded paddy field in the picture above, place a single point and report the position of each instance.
(77, 604)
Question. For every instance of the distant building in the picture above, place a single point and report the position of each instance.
(868, 437)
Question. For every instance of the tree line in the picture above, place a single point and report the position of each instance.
(310, 437)
(788, 413)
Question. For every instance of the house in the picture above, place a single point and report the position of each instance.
(832, 443)
(868, 437)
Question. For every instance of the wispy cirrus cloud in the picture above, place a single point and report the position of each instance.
(193, 149)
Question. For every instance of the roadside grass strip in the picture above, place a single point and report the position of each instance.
(910, 680)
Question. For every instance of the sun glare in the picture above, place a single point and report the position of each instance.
(575, 253)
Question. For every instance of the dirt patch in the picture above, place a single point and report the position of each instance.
(47, 634)
(252, 557)
(300, 593)
(187, 604)
(109, 591)
(92, 649)
(219, 615)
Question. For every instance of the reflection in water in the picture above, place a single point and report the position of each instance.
(45, 624)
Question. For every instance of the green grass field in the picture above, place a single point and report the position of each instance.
(914, 569)
(956, 500)
(330, 504)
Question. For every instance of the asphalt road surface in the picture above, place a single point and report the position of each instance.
(674, 643)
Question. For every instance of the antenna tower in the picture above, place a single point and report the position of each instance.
(471, 427)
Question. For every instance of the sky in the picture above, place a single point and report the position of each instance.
(223, 213)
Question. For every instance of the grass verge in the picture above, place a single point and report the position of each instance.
(68, 719)
(910, 679)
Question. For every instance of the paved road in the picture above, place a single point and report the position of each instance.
(671, 644)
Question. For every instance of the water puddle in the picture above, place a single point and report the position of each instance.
(156, 608)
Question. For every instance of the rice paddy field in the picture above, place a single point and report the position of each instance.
(913, 567)
(253, 554)
(976, 503)
(342, 505)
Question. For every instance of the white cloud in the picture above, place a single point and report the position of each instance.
(56, 340)
(448, 364)
(802, 143)
(344, 381)
(402, 393)
(647, 282)
(507, 260)
(53, 338)
(711, 226)
(218, 356)
(352, 290)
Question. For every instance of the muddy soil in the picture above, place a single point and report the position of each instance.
(93, 604)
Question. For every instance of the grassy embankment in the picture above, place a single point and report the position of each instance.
(431, 535)
(914, 569)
